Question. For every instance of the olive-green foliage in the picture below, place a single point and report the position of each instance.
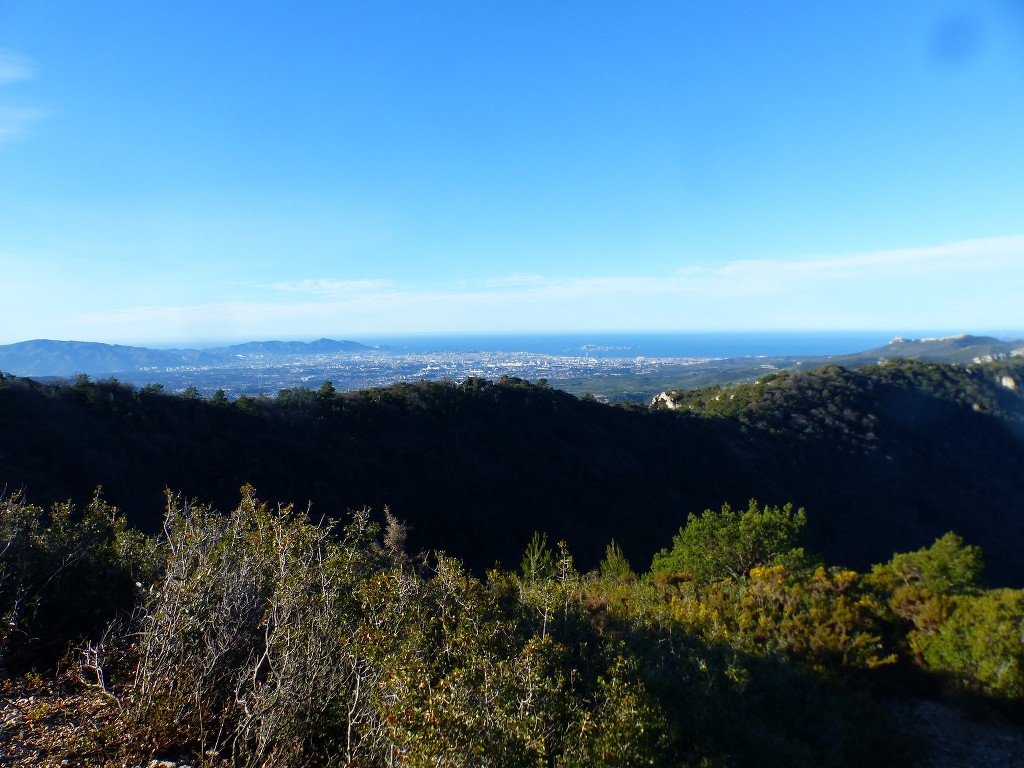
(973, 638)
(474, 673)
(751, 673)
(538, 560)
(823, 617)
(728, 543)
(980, 645)
(615, 566)
(269, 639)
(64, 575)
(265, 638)
(275, 642)
(917, 587)
(947, 566)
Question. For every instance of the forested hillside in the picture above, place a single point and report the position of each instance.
(265, 635)
(884, 458)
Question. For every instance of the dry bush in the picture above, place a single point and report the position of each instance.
(274, 641)
(244, 650)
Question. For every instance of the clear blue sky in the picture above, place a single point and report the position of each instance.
(189, 171)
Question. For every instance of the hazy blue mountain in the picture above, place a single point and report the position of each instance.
(44, 357)
(320, 346)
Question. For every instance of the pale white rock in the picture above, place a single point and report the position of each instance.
(664, 399)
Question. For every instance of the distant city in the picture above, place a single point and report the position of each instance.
(610, 367)
(268, 374)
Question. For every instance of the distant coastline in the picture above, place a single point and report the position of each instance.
(656, 345)
(598, 344)
(613, 365)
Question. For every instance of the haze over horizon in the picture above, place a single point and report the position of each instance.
(187, 173)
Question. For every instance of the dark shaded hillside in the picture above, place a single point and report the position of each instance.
(894, 450)
(885, 459)
(475, 468)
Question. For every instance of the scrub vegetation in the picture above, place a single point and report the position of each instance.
(262, 637)
(266, 634)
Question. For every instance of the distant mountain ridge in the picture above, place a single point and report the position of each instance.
(45, 357)
(231, 367)
(294, 347)
(962, 348)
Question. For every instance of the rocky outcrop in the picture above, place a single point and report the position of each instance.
(664, 400)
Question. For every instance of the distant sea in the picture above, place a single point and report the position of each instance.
(646, 344)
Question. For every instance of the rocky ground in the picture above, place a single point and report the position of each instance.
(959, 739)
(57, 723)
(62, 723)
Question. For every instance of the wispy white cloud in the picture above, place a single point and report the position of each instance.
(513, 281)
(331, 288)
(15, 120)
(14, 68)
(963, 286)
(777, 276)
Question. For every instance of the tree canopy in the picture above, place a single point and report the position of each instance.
(728, 543)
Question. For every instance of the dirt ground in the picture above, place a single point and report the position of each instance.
(57, 723)
(961, 740)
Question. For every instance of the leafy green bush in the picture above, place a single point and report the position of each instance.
(64, 576)
(762, 671)
(947, 566)
(973, 638)
(727, 544)
(980, 645)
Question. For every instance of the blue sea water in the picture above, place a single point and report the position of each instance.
(647, 344)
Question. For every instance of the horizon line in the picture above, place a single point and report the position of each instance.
(201, 344)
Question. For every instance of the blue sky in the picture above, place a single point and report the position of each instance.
(188, 171)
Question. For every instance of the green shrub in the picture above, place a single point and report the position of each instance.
(64, 576)
(947, 566)
(727, 544)
(947, 624)
(980, 646)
